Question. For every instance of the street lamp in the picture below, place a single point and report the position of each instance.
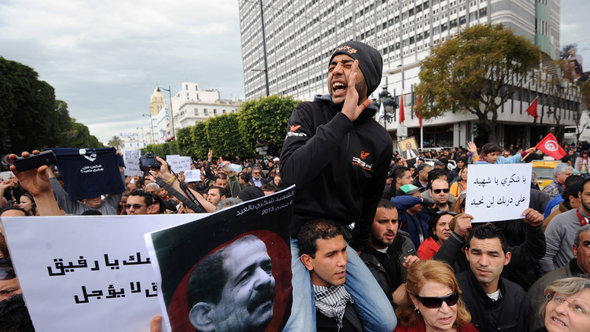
(266, 79)
(389, 106)
(151, 127)
(171, 111)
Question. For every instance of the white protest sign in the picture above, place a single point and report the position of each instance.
(192, 175)
(89, 273)
(132, 163)
(178, 163)
(498, 192)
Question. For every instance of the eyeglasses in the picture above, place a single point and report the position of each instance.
(560, 299)
(437, 191)
(135, 206)
(436, 302)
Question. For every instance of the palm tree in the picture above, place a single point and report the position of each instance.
(115, 142)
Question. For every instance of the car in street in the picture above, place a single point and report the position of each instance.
(543, 171)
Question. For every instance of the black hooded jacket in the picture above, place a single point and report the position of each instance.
(339, 166)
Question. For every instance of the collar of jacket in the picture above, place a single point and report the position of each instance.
(482, 294)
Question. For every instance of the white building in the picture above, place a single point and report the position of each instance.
(189, 106)
(132, 140)
(299, 36)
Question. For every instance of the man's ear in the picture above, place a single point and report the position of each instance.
(507, 259)
(466, 253)
(202, 316)
(307, 261)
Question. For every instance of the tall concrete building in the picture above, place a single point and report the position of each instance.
(286, 45)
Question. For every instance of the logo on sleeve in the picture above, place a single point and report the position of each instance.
(362, 162)
(293, 131)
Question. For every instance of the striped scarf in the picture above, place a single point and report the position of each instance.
(332, 301)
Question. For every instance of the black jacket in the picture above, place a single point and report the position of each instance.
(350, 321)
(523, 255)
(339, 166)
(509, 314)
(387, 268)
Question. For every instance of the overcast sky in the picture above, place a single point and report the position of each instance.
(104, 57)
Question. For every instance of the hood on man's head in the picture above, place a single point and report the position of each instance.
(370, 62)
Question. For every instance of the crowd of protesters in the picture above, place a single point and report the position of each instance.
(412, 261)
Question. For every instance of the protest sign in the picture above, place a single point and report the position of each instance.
(178, 163)
(88, 273)
(498, 192)
(132, 163)
(234, 264)
(192, 175)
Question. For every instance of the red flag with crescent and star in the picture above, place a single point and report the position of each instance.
(550, 147)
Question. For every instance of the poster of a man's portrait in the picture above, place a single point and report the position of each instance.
(230, 271)
(408, 148)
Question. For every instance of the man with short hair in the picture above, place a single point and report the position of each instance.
(215, 195)
(560, 173)
(421, 180)
(324, 254)
(141, 202)
(495, 303)
(401, 176)
(390, 249)
(440, 192)
(233, 289)
(257, 179)
(570, 199)
(561, 231)
(338, 156)
(409, 207)
(579, 266)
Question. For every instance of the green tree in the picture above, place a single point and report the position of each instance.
(224, 136)
(33, 118)
(266, 120)
(115, 142)
(199, 140)
(471, 72)
(185, 142)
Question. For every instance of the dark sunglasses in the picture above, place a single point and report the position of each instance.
(7, 273)
(436, 302)
(443, 212)
(437, 191)
(135, 206)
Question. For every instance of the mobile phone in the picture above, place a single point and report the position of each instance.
(46, 157)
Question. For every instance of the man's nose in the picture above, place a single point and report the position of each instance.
(263, 278)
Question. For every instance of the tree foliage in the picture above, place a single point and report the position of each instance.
(472, 72)
(265, 120)
(34, 118)
(237, 134)
(115, 142)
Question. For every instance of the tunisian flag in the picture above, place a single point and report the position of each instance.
(402, 116)
(418, 115)
(550, 147)
(532, 110)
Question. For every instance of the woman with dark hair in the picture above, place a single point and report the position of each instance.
(567, 306)
(433, 301)
(439, 226)
(460, 185)
(27, 203)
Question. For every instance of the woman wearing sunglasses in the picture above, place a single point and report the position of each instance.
(567, 306)
(433, 301)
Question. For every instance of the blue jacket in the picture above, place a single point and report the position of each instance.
(416, 225)
(503, 160)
